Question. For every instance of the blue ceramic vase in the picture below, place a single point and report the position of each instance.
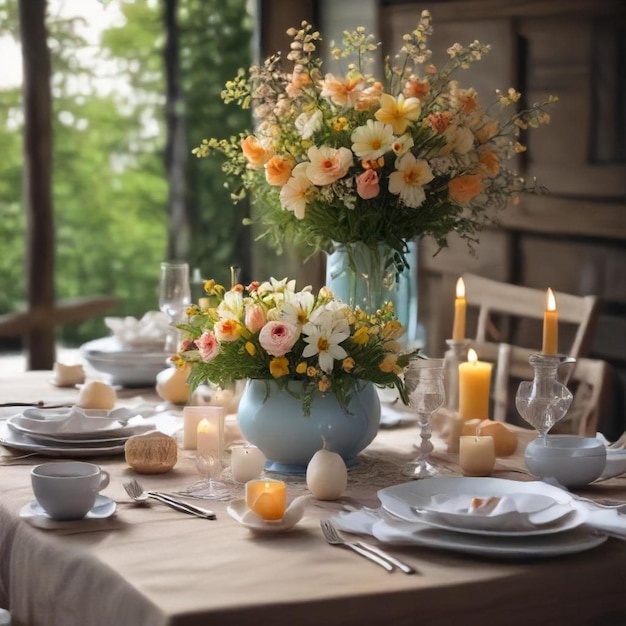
(273, 420)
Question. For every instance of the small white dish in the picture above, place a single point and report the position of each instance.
(240, 512)
(615, 464)
(573, 461)
(103, 509)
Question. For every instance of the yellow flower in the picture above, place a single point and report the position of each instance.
(398, 112)
(250, 348)
(279, 367)
(301, 367)
(311, 371)
(361, 336)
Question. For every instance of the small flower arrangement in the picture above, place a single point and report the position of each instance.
(271, 331)
(359, 158)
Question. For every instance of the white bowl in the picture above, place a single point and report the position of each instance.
(571, 460)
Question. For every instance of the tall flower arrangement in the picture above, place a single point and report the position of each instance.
(354, 157)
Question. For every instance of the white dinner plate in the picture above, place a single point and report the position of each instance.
(398, 500)
(17, 441)
(33, 513)
(403, 533)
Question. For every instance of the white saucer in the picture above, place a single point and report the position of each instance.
(239, 511)
(103, 508)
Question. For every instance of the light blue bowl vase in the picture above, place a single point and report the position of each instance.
(273, 420)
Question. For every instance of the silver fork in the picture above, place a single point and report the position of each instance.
(378, 556)
(137, 493)
(603, 503)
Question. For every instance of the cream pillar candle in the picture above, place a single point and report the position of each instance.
(477, 455)
(192, 416)
(210, 437)
(246, 463)
(460, 308)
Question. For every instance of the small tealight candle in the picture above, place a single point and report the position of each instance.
(474, 387)
(267, 498)
(460, 307)
(246, 463)
(477, 455)
(192, 416)
(550, 325)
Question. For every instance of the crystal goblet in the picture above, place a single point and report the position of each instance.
(425, 383)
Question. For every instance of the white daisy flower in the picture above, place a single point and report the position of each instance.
(371, 141)
(323, 338)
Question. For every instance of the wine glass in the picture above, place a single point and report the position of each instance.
(174, 298)
(424, 381)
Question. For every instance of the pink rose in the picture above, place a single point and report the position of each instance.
(255, 317)
(208, 346)
(277, 338)
(367, 184)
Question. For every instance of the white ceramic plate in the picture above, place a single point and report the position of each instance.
(17, 441)
(571, 542)
(33, 513)
(239, 511)
(399, 500)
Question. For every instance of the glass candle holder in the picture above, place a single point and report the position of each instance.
(455, 354)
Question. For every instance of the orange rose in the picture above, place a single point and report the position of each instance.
(278, 170)
(463, 188)
(486, 132)
(489, 161)
(255, 151)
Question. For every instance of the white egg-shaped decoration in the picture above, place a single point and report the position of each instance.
(97, 395)
(327, 475)
(171, 385)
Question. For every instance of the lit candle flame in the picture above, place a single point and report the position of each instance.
(550, 301)
(472, 357)
(460, 288)
(204, 426)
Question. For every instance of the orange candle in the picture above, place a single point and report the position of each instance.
(460, 307)
(550, 325)
(474, 388)
(267, 498)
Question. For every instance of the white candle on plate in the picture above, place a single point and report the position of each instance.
(246, 463)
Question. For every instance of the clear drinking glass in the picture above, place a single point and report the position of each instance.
(425, 383)
(211, 488)
(174, 298)
(544, 401)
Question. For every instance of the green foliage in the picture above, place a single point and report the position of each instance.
(109, 180)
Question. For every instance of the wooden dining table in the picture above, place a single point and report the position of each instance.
(154, 566)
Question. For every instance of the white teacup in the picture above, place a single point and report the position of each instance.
(67, 490)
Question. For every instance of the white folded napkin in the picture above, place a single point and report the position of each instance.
(609, 521)
(151, 328)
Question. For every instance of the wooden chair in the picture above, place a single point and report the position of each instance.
(506, 315)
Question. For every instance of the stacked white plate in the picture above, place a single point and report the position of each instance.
(75, 432)
(125, 364)
(524, 519)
